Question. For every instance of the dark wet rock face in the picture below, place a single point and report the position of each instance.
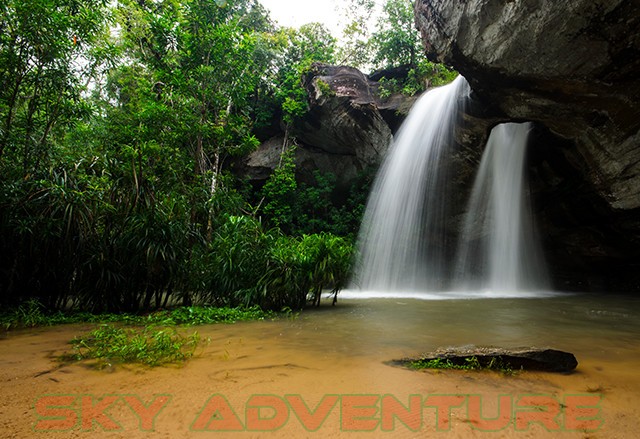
(574, 69)
(343, 116)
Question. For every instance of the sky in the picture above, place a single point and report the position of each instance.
(295, 13)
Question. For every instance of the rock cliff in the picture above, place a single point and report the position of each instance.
(574, 69)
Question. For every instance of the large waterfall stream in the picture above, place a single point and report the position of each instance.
(405, 243)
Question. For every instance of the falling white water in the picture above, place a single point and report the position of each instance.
(405, 243)
(402, 239)
(498, 249)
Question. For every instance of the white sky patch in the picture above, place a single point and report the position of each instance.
(295, 13)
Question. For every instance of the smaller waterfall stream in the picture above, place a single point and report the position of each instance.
(498, 249)
(405, 243)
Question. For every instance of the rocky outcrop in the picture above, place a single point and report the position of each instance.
(574, 69)
(347, 129)
(343, 118)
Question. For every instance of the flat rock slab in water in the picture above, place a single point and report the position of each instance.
(548, 360)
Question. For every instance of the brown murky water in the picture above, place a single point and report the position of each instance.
(333, 359)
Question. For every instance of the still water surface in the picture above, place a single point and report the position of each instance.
(589, 325)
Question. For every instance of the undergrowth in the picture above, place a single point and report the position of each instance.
(33, 314)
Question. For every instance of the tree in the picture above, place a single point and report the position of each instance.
(50, 52)
(45, 47)
(204, 62)
(396, 41)
(299, 49)
(355, 47)
(397, 44)
(279, 193)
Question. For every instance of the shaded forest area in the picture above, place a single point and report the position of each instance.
(117, 121)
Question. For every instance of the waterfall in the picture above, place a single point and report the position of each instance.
(404, 242)
(498, 248)
(402, 238)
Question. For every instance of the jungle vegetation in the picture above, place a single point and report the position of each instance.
(117, 123)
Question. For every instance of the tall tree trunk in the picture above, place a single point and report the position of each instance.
(200, 157)
(213, 189)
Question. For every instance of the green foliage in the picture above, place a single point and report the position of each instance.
(102, 243)
(199, 315)
(355, 45)
(274, 271)
(279, 191)
(183, 46)
(426, 74)
(32, 314)
(349, 216)
(309, 208)
(113, 145)
(147, 346)
(443, 363)
(396, 41)
(302, 267)
(431, 74)
(470, 363)
(42, 44)
(324, 88)
(315, 210)
(237, 256)
(298, 50)
(28, 314)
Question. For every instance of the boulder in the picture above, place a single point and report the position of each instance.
(260, 164)
(547, 360)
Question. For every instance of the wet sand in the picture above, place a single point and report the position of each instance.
(310, 359)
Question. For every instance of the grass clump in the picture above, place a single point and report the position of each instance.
(469, 363)
(149, 346)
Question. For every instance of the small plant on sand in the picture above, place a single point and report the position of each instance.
(150, 346)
